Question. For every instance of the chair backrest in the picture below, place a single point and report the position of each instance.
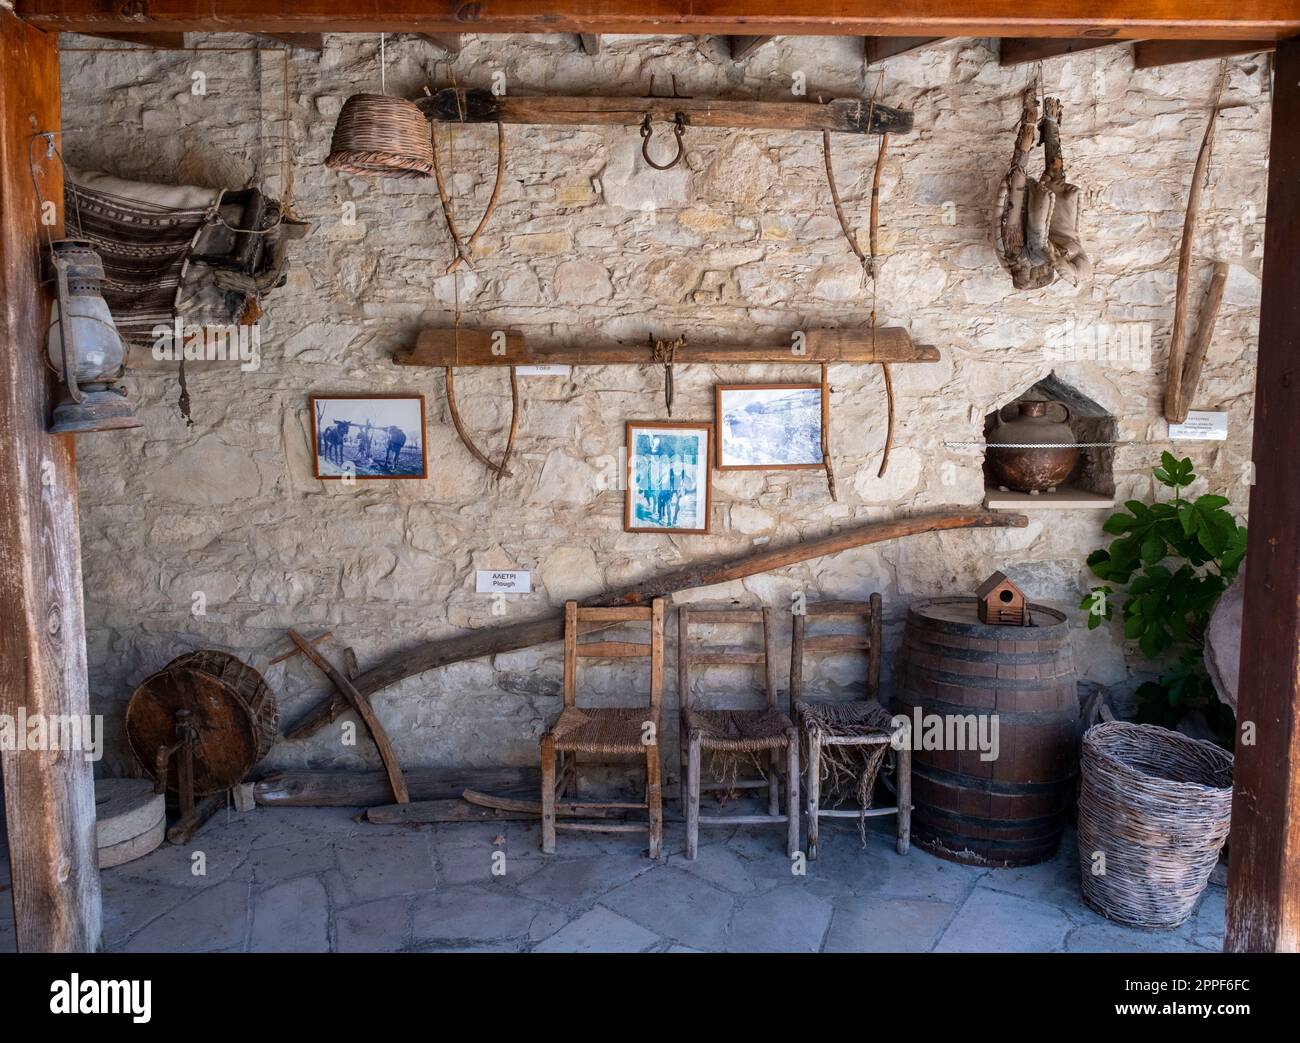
(579, 621)
(802, 642)
(720, 656)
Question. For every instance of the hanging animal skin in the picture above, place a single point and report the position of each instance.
(1038, 237)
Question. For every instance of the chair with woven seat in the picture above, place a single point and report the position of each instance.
(610, 731)
(862, 723)
(736, 731)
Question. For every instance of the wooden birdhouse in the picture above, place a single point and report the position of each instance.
(1001, 602)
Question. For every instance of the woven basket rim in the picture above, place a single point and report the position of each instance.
(1095, 744)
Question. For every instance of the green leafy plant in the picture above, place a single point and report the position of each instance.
(1175, 558)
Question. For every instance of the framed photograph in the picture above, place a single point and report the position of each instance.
(368, 436)
(669, 476)
(769, 427)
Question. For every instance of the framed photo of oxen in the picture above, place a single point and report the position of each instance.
(769, 427)
(669, 476)
(368, 436)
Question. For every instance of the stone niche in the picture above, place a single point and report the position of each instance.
(1092, 485)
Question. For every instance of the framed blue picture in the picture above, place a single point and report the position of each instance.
(669, 476)
(769, 427)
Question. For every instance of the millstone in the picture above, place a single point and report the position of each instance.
(124, 809)
(134, 847)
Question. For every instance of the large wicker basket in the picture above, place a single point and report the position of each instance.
(380, 136)
(1154, 810)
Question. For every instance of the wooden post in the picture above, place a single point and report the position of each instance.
(49, 795)
(1264, 870)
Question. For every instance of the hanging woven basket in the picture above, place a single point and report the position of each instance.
(379, 136)
(1154, 811)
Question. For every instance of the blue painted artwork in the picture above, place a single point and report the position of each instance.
(770, 426)
(668, 479)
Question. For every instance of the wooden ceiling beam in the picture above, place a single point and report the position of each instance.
(1151, 54)
(158, 41)
(448, 43)
(743, 46)
(878, 48)
(298, 41)
(1018, 51)
(1130, 19)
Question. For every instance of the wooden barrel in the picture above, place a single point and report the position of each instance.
(232, 708)
(1008, 810)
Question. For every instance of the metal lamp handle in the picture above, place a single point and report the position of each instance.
(65, 327)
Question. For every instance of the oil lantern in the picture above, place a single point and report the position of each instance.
(86, 350)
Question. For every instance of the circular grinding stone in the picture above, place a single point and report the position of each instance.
(135, 847)
(125, 808)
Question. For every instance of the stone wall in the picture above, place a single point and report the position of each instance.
(739, 241)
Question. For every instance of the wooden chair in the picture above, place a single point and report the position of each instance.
(626, 730)
(847, 723)
(734, 731)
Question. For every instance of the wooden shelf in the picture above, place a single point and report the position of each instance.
(1060, 500)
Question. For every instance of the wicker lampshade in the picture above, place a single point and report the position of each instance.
(379, 136)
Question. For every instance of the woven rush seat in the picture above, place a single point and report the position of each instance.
(601, 729)
(741, 730)
(843, 718)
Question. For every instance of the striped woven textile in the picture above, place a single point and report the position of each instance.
(146, 235)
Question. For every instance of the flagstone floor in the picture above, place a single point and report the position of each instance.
(312, 879)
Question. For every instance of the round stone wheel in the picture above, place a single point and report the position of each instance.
(134, 847)
(232, 709)
(125, 808)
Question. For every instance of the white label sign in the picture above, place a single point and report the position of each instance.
(514, 582)
(543, 371)
(1202, 426)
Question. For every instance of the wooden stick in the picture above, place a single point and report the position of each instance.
(500, 470)
(1174, 404)
(362, 705)
(295, 652)
(479, 643)
(194, 819)
(320, 789)
(533, 808)
(843, 115)
(465, 347)
(1201, 341)
(492, 200)
(461, 251)
(423, 812)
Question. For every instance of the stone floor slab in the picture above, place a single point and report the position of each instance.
(790, 919)
(887, 924)
(599, 930)
(677, 906)
(291, 917)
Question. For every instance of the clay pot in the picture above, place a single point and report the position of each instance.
(1039, 468)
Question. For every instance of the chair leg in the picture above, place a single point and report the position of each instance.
(683, 769)
(691, 792)
(792, 796)
(548, 794)
(814, 791)
(904, 788)
(571, 783)
(773, 784)
(654, 800)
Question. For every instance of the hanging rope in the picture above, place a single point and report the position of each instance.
(870, 267)
(499, 469)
